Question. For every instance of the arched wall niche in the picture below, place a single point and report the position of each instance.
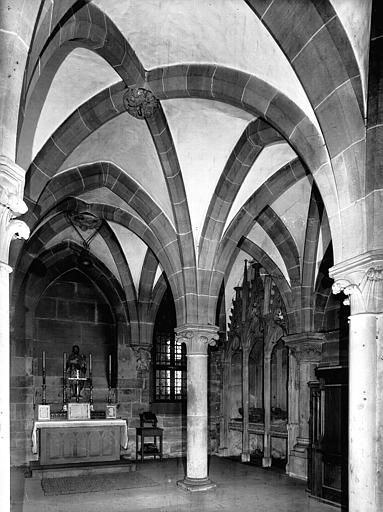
(59, 305)
(73, 311)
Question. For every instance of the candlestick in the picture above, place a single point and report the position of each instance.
(44, 387)
(65, 398)
(90, 383)
(110, 380)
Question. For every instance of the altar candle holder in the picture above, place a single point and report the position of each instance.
(44, 386)
(110, 379)
(65, 395)
(90, 383)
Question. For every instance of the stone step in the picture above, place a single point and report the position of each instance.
(82, 468)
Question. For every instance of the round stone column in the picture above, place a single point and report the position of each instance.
(197, 338)
(363, 284)
(4, 386)
(266, 459)
(11, 205)
(362, 413)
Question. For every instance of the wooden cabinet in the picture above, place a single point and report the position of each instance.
(328, 450)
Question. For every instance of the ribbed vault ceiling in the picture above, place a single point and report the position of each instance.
(188, 185)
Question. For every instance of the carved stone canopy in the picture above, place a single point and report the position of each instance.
(140, 103)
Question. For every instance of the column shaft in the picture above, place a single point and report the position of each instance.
(223, 433)
(197, 339)
(4, 386)
(362, 413)
(196, 416)
(379, 414)
(245, 456)
(266, 460)
(11, 205)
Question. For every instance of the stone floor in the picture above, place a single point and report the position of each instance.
(240, 488)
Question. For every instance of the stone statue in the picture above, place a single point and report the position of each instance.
(76, 370)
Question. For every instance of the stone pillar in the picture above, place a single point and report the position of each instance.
(306, 349)
(197, 338)
(224, 423)
(245, 455)
(379, 413)
(365, 360)
(11, 205)
(266, 459)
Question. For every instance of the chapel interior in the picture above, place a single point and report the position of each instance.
(191, 193)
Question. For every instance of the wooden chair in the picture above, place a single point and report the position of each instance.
(150, 449)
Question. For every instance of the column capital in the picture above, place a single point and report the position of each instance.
(365, 295)
(360, 278)
(12, 178)
(354, 268)
(305, 346)
(197, 337)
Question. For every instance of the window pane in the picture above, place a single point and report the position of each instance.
(163, 350)
(179, 354)
(169, 369)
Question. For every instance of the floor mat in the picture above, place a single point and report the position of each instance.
(95, 483)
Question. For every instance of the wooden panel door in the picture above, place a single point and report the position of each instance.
(328, 453)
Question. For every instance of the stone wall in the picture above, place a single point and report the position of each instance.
(71, 311)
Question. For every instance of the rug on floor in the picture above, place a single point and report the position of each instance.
(95, 483)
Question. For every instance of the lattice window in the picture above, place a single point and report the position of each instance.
(169, 369)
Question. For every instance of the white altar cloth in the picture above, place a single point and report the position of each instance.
(79, 423)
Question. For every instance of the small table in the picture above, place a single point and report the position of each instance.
(150, 449)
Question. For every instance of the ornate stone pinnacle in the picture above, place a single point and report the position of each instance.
(140, 103)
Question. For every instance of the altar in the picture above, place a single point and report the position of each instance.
(65, 441)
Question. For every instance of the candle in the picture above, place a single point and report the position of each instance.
(110, 364)
(43, 360)
(90, 363)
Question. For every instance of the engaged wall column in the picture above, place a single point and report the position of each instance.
(306, 349)
(11, 205)
(197, 339)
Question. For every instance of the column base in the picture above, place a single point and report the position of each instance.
(196, 484)
(223, 452)
(298, 461)
(266, 462)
